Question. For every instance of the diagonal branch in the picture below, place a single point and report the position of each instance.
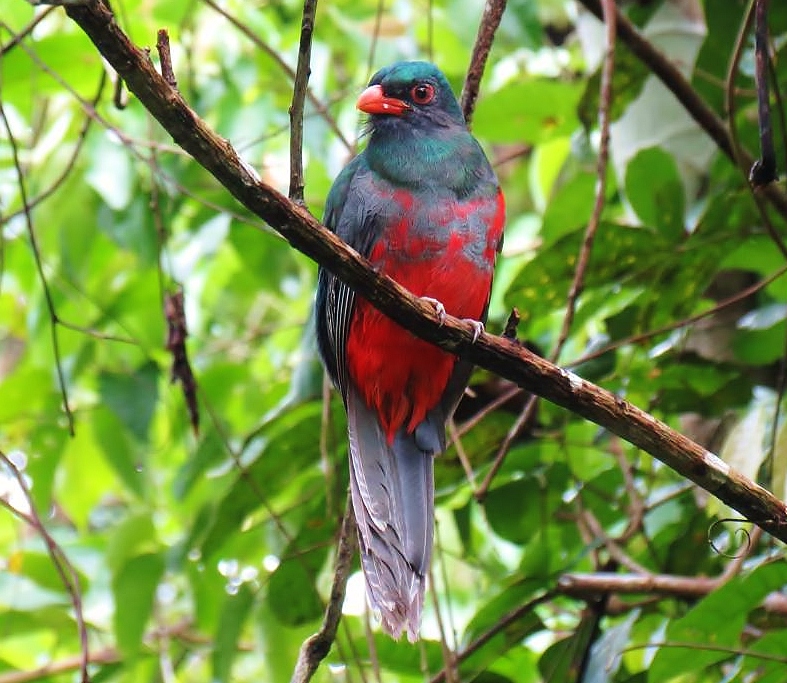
(499, 355)
(298, 99)
(672, 78)
(490, 20)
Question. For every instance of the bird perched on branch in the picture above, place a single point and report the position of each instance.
(422, 203)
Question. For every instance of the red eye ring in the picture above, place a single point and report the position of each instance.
(423, 93)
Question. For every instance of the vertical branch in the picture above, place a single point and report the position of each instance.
(738, 154)
(302, 73)
(165, 58)
(763, 171)
(607, 71)
(430, 29)
(490, 20)
(319, 107)
(50, 304)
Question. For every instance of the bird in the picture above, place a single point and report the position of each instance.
(423, 205)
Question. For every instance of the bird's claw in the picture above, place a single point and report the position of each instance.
(478, 327)
(438, 308)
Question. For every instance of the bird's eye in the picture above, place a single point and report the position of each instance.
(423, 93)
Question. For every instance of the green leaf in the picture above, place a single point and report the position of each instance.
(520, 508)
(726, 609)
(134, 587)
(533, 111)
(132, 397)
(287, 446)
(292, 597)
(225, 645)
(655, 191)
(607, 651)
(135, 535)
(747, 444)
(627, 81)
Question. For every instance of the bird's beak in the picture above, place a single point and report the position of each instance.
(374, 101)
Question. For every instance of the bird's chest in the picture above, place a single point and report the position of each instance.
(445, 250)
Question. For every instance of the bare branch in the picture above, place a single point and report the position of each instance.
(316, 647)
(65, 570)
(286, 68)
(583, 260)
(106, 656)
(763, 171)
(686, 587)
(672, 78)
(50, 302)
(490, 20)
(499, 355)
(302, 73)
(165, 57)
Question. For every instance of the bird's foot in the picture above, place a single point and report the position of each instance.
(438, 308)
(478, 327)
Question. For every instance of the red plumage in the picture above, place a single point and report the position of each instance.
(399, 375)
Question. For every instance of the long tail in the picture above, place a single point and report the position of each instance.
(393, 499)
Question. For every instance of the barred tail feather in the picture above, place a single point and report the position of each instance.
(392, 489)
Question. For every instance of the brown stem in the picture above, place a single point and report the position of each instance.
(302, 73)
(316, 647)
(697, 108)
(502, 356)
(490, 20)
(763, 171)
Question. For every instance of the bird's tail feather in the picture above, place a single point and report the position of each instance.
(393, 498)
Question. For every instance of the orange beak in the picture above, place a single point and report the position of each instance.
(374, 101)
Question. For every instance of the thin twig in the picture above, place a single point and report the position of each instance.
(456, 440)
(50, 304)
(763, 171)
(744, 163)
(321, 109)
(65, 570)
(449, 656)
(607, 72)
(165, 58)
(685, 322)
(612, 547)
(108, 655)
(505, 446)
(669, 74)
(18, 36)
(490, 20)
(578, 280)
(501, 625)
(316, 647)
(302, 72)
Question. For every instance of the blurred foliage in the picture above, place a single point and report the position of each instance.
(209, 556)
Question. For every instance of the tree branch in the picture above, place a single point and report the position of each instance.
(672, 78)
(496, 354)
(686, 587)
(490, 20)
(316, 647)
(298, 99)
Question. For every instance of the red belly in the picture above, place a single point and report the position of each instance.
(400, 376)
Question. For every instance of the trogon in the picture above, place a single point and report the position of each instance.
(423, 205)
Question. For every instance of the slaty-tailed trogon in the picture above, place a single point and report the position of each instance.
(422, 203)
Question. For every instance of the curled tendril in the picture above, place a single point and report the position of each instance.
(745, 545)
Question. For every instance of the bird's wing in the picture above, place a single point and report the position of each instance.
(346, 214)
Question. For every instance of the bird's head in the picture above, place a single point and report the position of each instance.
(411, 94)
